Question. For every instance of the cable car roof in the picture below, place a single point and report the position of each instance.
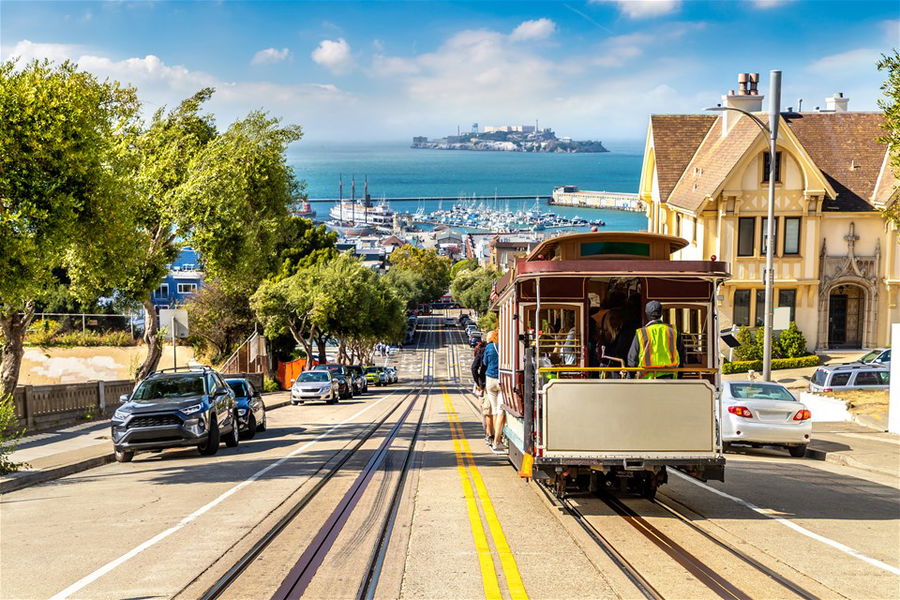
(608, 245)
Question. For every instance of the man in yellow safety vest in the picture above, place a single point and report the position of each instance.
(656, 344)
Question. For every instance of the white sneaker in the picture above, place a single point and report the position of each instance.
(498, 449)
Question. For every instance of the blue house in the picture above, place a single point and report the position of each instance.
(184, 279)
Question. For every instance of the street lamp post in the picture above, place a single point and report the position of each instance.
(769, 276)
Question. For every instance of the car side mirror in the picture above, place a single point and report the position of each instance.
(123, 398)
(220, 392)
(293, 380)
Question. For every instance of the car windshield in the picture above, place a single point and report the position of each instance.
(870, 356)
(175, 386)
(318, 377)
(238, 388)
(757, 391)
(371, 370)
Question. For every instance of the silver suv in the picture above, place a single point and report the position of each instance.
(880, 357)
(850, 376)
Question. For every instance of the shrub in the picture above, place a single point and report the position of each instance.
(742, 366)
(751, 346)
(47, 333)
(271, 385)
(9, 434)
(792, 342)
(487, 322)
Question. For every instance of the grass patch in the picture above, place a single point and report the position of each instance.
(865, 402)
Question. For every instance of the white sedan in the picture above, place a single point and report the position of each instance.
(764, 414)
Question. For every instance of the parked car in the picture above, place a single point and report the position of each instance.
(375, 376)
(359, 376)
(345, 388)
(762, 413)
(175, 408)
(880, 357)
(449, 322)
(315, 385)
(250, 407)
(850, 376)
(392, 374)
(474, 337)
(383, 377)
(344, 372)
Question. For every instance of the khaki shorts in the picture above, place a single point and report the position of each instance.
(493, 396)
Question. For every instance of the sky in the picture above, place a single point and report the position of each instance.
(386, 71)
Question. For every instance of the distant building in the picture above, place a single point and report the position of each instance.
(705, 178)
(185, 277)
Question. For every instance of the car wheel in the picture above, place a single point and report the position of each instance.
(211, 445)
(797, 451)
(124, 455)
(251, 428)
(726, 446)
(234, 437)
(262, 426)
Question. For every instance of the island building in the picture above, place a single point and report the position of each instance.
(705, 179)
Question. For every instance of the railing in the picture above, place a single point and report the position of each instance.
(250, 357)
(576, 372)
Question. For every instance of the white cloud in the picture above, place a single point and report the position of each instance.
(764, 4)
(644, 9)
(537, 29)
(270, 56)
(334, 55)
(852, 61)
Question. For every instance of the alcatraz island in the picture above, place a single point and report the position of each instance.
(508, 138)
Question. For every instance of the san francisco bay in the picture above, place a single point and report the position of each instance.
(395, 170)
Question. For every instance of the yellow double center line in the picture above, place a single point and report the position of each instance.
(465, 465)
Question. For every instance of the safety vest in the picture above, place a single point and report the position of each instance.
(657, 349)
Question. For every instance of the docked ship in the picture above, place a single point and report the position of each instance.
(305, 210)
(360, 217)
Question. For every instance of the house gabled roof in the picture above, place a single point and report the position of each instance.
(886, 186)
(714, 160)
(846, 149)
(675, 140)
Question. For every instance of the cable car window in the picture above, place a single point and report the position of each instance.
(599, 248)
(560, 339)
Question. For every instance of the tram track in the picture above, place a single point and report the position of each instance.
(696, 566)
(305, 567)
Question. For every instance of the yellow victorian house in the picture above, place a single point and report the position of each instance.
(705, 179)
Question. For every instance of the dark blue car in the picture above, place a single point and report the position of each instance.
(250, 407)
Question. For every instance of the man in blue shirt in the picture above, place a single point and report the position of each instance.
(493, 393)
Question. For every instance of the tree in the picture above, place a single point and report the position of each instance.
(433, 269)
(226, 194)
(302, 244)
(890, 104)
(221, 318)
(66, 206)
(463, 265)
(408, 286)
(472, 288)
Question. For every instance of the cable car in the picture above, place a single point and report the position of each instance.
(576, 412)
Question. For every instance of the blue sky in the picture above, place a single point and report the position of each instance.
(390, 70)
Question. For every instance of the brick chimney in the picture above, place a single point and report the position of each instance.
(747, 98)
(837, 103)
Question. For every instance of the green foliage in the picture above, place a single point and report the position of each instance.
(472, 288)
(49, 333)
(742, 366)
(270, 384)
(463, 265)
(890, 104)
(10, 432)
(792, 342)
(220, 319)
(408, 287)
(302, 243)
(433, 269)
(488, 321)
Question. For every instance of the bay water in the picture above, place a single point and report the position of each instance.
(395, 170)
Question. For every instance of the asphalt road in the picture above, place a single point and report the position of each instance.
(169, 524)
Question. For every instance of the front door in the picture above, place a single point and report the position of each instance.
(837, 320)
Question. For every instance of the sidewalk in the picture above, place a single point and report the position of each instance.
(54, 454)
(856, 446)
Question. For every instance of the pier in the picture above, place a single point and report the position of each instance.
(572, 196)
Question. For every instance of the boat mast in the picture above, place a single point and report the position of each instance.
(341, 196)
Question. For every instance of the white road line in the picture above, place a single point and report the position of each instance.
(791, 525)
(88, 579)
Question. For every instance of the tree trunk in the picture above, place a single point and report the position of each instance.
(151, 339)
(323, 355)
(13, 325)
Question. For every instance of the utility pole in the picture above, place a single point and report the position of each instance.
(774, 117)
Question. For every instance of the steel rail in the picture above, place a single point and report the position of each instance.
(218, 588)
(695, 566)
(777, 577)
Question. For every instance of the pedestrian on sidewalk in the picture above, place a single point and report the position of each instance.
(478, 377)
(493, 393)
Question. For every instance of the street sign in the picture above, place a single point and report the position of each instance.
(175, 320)
(781, 318)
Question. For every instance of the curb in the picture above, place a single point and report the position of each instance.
(845, 461)
(22, 480)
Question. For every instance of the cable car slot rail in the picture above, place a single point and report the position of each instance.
(303, 571)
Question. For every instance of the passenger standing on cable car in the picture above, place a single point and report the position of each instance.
(478, 376)
(656, 344)
(492, 389)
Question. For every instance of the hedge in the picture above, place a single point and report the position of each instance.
(742, 366)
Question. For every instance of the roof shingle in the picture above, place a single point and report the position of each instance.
(675, 139)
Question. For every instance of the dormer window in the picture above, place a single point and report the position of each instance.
(765, 175)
